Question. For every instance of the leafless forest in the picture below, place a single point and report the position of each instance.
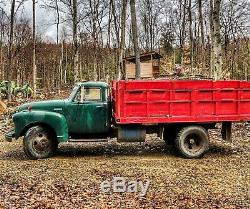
(206, 38)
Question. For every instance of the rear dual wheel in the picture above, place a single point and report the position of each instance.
(39, 143)
(192, 141)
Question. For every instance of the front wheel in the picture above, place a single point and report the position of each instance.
(39, 143)
(192, 141)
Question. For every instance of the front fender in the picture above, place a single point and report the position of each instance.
(56, 121)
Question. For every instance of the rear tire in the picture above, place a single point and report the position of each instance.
(39, 143)
(192, 141)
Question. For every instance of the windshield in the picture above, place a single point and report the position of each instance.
(73, 93)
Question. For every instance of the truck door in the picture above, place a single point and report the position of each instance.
(90, 112)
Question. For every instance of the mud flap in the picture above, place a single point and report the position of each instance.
(226, 131)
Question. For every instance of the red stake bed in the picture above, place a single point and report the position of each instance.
(178, 101)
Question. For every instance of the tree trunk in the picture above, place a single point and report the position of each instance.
(135, 40)
(1, 58)
(183, 28)
(93, 17)
(217, 40)
(57, 22)
(95, 75)
(211, 40)
(216, 50)
(1, 49)
(191, 35)
(112, 2)
(61, 66)
(66, 63)
(201, 22)
(11, 34)
(202, 47)
(34, 50)
(121, 70)
(18, 74)
(75, 42)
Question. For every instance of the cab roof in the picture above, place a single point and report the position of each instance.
(94, 84)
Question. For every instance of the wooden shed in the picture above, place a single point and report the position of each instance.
(150, 65)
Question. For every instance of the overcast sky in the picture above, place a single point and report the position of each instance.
(44, 19)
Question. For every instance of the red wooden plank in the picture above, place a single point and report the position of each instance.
(165, 101)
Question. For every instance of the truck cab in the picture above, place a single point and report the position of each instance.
(85, 114)
(88, 110)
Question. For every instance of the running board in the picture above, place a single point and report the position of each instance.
(88, 140)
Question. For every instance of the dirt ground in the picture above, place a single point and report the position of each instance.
(71, 179)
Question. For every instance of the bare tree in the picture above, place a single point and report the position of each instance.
(54, 5)
(57, 21)
(202, 37)
(15, 5)
(201, 22)
(135, 40)
(150, 12)
(182, 26)
(34, 49)
(191, 34)
(75, 40)
(2, 29)
(121, 70)
(94, 39)
(11, 34)
(215, 31)
(115, 19)
(94, 22)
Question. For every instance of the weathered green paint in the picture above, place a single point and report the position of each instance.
(89, 117)
(56, 121)
(68, 116)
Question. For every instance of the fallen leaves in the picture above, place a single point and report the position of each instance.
(3, 107)
(72, 179)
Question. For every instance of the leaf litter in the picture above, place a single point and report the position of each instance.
(71, 179)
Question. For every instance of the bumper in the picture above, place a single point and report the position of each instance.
(10, 135)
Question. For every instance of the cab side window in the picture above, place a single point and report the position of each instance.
(92, 94)
(77, 96)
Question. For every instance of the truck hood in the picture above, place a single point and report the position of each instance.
(48, 105)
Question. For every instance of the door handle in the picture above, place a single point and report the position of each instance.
(98, 106)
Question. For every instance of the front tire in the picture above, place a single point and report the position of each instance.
(192, 141)
(39, 143)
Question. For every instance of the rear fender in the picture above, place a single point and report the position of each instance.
(25, 119)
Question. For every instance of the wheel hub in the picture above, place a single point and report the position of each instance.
(193, 144)
(192, 141)
(41, 143)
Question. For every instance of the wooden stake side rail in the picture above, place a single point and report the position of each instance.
(178, 101)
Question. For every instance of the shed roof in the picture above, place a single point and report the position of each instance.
(144, 57)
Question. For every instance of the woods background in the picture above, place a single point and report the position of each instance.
(205, 38)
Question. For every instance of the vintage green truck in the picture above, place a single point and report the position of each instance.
(181, 112)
